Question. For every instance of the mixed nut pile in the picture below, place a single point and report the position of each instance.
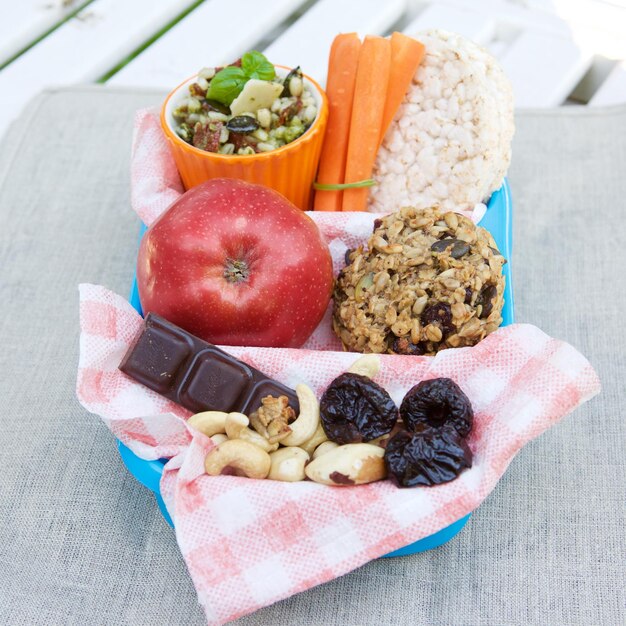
(353, 436)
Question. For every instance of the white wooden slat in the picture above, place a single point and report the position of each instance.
(540, 5)
(307, 42)
(83, 49)
(599, 25)
(589, 84)
(24, 21)
(194, 42)
(613, 89)
(513, 13)
(543, 68)
(478, 27)
(606, 15)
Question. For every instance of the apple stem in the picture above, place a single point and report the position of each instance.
(236, 271)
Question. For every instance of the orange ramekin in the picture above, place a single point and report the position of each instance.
(290, 170)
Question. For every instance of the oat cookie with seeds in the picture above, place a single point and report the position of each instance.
(427, 280)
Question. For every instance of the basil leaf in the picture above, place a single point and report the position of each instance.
(227, 84)
(255, 65)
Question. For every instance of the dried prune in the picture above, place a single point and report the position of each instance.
(354, 409)
(427, 458)
(432, 404)
(439, 314)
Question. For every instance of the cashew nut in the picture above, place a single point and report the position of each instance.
(319, 436)
(218, 438)
(208, 422)
(247, 434)
(367, 365)
(238, 457)
(350, 464)
(288, 464)
(237, 428)
(324, 447)
(233, 424)
(307, 421)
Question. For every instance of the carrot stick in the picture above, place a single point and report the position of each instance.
(370, 94)
(406, 55)
(342, 64)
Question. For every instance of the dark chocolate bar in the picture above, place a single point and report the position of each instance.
(196, 374)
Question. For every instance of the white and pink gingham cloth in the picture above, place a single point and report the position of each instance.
(248, 543)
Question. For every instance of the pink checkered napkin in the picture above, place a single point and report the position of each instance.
(155, 180)
(248, 543)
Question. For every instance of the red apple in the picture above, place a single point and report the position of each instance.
(236, 264)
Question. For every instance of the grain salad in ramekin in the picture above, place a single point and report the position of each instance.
(251, 120)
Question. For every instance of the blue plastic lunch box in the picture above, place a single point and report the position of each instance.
(498, 221)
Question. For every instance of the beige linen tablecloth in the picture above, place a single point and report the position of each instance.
(82, 543)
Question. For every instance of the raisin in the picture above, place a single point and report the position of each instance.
(355, 409)
(402, 345)
(486, 298)
(468, 295)
(439, 314)
(346, 256)
(432, 404)
(377, 223)
(426, 458)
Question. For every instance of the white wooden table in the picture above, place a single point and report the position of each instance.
(554, 51)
